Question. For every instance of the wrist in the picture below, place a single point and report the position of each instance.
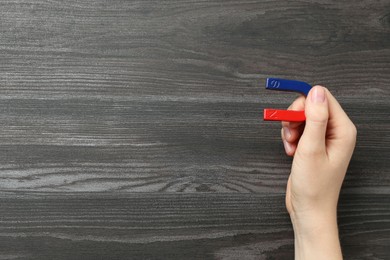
(316, 236)
(309, 223)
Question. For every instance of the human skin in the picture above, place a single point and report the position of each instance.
(322, 148)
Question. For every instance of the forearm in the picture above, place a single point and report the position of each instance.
(317, 238)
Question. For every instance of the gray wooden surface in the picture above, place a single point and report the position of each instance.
(133, 129)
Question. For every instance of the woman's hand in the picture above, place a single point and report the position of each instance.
(322, 148)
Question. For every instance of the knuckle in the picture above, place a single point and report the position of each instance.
(309, 151)
(320, 116)
(352, 133)
(319, 122)
(349, 133)
(354, 130)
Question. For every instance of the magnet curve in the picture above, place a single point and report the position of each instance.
(286, 85)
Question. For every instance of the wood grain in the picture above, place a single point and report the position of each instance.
(160, 97)
(174, 226)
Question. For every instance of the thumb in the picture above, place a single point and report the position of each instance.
(313, 139)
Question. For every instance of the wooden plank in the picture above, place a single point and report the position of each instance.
(165, 97)
(174, 226)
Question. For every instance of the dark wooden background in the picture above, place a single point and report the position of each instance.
(133, 129)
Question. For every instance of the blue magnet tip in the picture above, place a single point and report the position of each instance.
(288, 85)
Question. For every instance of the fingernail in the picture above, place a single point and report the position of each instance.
(287, 133)
(318, 95)
(287, 147)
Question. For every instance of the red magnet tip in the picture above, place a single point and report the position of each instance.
(284, 115)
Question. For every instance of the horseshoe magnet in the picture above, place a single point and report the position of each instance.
(271, 114)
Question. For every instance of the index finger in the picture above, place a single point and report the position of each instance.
(298, 104)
